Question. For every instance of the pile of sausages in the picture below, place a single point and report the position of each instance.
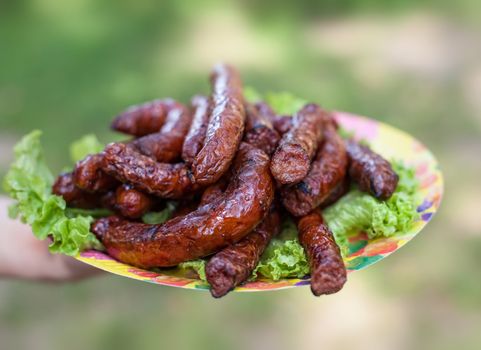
(234, 169)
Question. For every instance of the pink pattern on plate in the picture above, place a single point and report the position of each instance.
(363, 128)
(143, 273)
(95, 254)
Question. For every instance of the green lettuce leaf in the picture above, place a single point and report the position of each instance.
(360, 211)
(252, 95)
(29, 182)
(284, 257)
(88, 144)
(197, 265)
(283, 103)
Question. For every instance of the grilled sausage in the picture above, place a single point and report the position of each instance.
(337, 193)
(184, 207)
(160, 179)
(259, 131)
(166, 145)
(74, 197)
(201, 232)
(234, 264)
(144, 119)
(213, 192)
(281, 123)
(132, 203)
(327, 171)
(225, 129)
(195, 137)
(372, 172)
(292, 158)
(89, 176)
(328, 273)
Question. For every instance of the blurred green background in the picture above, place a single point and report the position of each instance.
(68, 67)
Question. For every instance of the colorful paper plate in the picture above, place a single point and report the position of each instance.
(388, 141)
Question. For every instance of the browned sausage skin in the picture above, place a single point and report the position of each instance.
(201, 232)
(144, 119)
(327, 171)
(160, 179)
(292, 158)
(195, 137)
(372, 172)
(281, 123)
(328, 273)
(234, 264)
(259, 131)
(184, 207)
(337, 193)
(225, 129)
(132, 203)
(89, 176)
(166, 145)
(213, 192)
(64, 187)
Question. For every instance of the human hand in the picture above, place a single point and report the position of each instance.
(23, 256)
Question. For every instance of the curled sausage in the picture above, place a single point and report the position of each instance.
(281, 123)
(328, 273)
(184, 207)
(166, 145)
(64, 187)
(327, 171)
(234, 264)
(201, 232)
(160, 179)
(89, 176)
(213, 192)
(225, 128)
(195, 137)
(259, 131)
(337, 193)
(144, 119)
(292, 158)
(372, 172)
(132, 203)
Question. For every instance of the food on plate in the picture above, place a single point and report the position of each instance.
(371, 171)
(132, 203)
(337, 192)
(214, 191)
(195, 137)
(328, 273)
(143, 119)
(326, 172)
(65, 187)
(231, 189)
(226, 126)
(235, 264)
(281, 123)
(166, 145)
(165, 180)
(89, 176)
(202, 232)
(259, 131)
(292, 159)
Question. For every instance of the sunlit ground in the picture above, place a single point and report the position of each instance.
(67, 70)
